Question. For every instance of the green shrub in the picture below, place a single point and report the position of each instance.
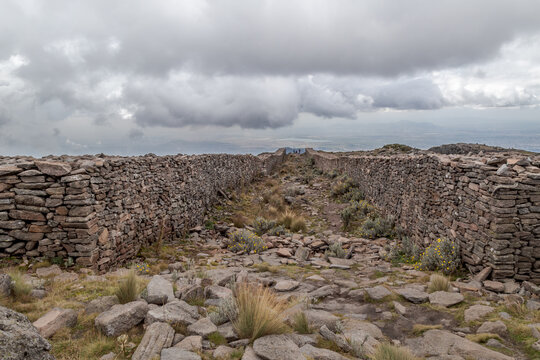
(378, 227)
(335, 250)
(278, 231)
(342, 187)
(406, 251)
(245, 240)
(262, 225)
(128, 289)
(354, 195)
(442, 255)
(355, 211)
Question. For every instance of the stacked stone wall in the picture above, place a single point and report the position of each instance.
(100, 210)
(489, 203)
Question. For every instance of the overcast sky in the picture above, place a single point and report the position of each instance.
(194, 76)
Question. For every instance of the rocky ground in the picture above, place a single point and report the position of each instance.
(351, 303)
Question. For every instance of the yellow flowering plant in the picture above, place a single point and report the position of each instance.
(245, 240)
(442, 255)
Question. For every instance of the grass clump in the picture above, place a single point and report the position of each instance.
(483, 338)
(378, 227)
(239, 220)
(217, 339)
(442, 255)
(20, 289)
(387, 351)
(354, 211)
(342, 187)
(419, 329)
(259, 312)
(292, 221)
(438, 283)
(335, 250)
(262, 226)
(245, 240)
(301, 323)
(128, 289)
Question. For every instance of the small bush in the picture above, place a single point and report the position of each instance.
(342, 187)
(355, 210)
(20, 289)
(354, 195)
(378, 227)
(406, 251)
(438, 283)
(335, 250)
(278, 231)
(287, 218)
(443, 256)
(262, 225)
(244, 240)
(217, 339)
(128, 289)
(301, 323)
(298, 224)
(259, 312)
(387, 351)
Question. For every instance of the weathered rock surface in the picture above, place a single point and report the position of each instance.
(5, 285)
(174, 312)
(178, 354)
(476, 312)
(378, 292)
(286, 285)
(19, 339)
(320, 354)
(277, 347)
(190, 343)
(202, 327)
(54, 320)
(492, 327)
(120, 318)
(159, 291)
(157, 337)
(413, 295)
(101, 304)
(445, 298)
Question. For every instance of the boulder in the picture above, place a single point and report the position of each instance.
(284, 252)
(121, 318)
(53, 168)
(157, 337)
(202, 327)
(19, 339)
(249, 354)
(442, 344)
(337, 339)
(378, 292)
(5, 285)
(286, 285)
(159, 291)
(52, 270)
(176, 312)
(223, 352)
(492, 327)
(318, 318)
(413, 295)
(476, 312)
(190, 343)
(217, 292)
(314, 353)
(101, 304)
(54, 320)
(445, 298)
(277, 347)
(494, 286)
(178, 354)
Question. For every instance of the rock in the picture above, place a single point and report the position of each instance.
(284, 252)
(223, 352)
(54, 320)
(159, 291)
(482, 275)
(445, 298)
(66, 277)
(101, 304)
(109, 356)
(378, 292)
(286, 285)
(363, 334)
(202, 327)
(53, 168)
(442, 344)
(249, 354)
(221, 277)
(121, 318)
(413, 295)
(19, 339)
(400, 309)
(533, 305)
(341, 262)
(156, 337)
(178, 354)
(320, 354)
(316, 278)
(217, 292)
(337, 339)
(277, 347)
(494, 286)
(5, 285)
(477, 312)
(176, 312)
(511, 287)
(318, 318)
(227, 331)
(324, 291)
(492, 327)
(302, 253)
(38, 293)
(52, 270)
(190, 343)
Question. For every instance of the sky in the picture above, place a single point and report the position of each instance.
(131, 77)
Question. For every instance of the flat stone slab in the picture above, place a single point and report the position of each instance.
(174, 312)
(277, 347)
(476, 312)
(120, 318)
(178, 354)
(445, 298)
(159, 291)
(378, 292)
(320, 354)
(414, 295)
(202, 327)
(54, 320)
(157, 337)
(52, 270)
(101, 304)
(190, 343)
(286, 285)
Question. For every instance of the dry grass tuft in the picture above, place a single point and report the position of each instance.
(20, 289)
(438, 283)
(128, 289)
(298, 224)
(483, 338)
(301, 323)
(419, 329)
(387, 351)
(239, 220)
(259, 312)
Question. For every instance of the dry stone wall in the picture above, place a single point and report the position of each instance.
(101, 210)
(489, 203)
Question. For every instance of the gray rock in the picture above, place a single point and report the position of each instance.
(363, 334)
(5, 285)
(277, 347)
(120, 318)
(178, 354)
(320, 354)
(441, 344)
(227, 331)
(54, 320)
(52, 270)
(476, 312)
(413, 295)
(101, 304)
(318, 318)
(445, 298)
(338, 339)
(286, 285)
(109, 356)
(221, 277)
(301, 340)
(156, 337)
(217, 292)
(223, 352)
(302, 253)
(378, 292)
(38, 293)
(400, 309)
(176, 312)
(324, 291)
(19, 339)
(492, 327)
(494, 286)
(53, 168)
(533, 304)
(159, 291)
(202, 327)
(190, 343)
(249, 354)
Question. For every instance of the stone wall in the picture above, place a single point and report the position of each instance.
(489, 203)
(101, 210)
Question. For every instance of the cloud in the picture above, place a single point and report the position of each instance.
(417, 94)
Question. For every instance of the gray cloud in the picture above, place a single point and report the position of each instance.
(419, 94)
